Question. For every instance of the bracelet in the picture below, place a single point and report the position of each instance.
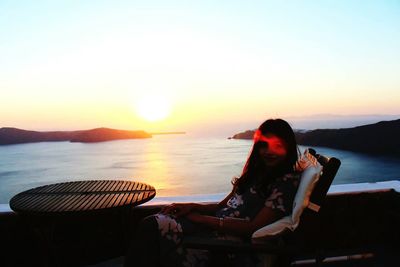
(221, 222)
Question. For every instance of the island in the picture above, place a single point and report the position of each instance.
(382, 138)
(10, 135)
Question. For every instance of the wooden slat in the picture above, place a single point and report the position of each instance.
(20, 200)
(54, 188)
(92, 187)
(108, 186)
(70, 198)
(85, 188)
(87, 203)
(101, 185)
(72, 205)
(102, 197)
(98, 198)
(118, 200)
(103, 201)
(124, 200)
(96, 187)
(56, 200)
(145, 196)
(81, 188)
(79, 206)
(69, 202)
(70, 187)
(132, 198)
(47, 202)
(120, 185)
(134, 186)
(33, 202)
(115, 184)
(41, 189)
(126, 185)
(112, 201)
(140, 197)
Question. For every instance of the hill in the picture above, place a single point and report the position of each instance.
(10, 136)
(381, 138)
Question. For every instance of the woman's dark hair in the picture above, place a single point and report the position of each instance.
(281, 129)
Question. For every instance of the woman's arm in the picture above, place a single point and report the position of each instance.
(237, 226)
(181, 209)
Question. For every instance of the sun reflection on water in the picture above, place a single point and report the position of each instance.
(155, 167)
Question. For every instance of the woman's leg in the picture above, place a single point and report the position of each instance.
(157, 242)
(144, 249)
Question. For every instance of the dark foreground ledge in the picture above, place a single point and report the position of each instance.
(363, 221)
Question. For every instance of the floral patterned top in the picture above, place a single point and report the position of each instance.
(280, 195)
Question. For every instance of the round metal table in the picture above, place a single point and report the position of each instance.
(81, 196)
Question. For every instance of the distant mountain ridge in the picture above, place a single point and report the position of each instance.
(10, 135)
(381, 138)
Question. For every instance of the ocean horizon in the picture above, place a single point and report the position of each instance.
(176, 165)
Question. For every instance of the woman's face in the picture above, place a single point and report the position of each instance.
(273, 150)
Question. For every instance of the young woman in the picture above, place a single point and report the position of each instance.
(261, 195)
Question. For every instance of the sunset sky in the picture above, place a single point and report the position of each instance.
(86, 64)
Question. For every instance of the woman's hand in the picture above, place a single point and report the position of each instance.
(178, 209)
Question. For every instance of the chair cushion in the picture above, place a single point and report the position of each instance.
(311, 171)
(309, 178)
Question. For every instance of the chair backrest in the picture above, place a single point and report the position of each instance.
(309, 234)
(314, 185)
(330, 168)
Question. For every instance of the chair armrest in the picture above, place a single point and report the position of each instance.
(233, 246)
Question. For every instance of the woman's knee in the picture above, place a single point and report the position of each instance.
(148, 223)
(147, 230)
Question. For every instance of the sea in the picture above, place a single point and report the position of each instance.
(176, 165)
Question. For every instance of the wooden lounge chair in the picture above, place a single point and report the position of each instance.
(284, 244)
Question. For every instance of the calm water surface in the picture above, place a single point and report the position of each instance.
(176, 165)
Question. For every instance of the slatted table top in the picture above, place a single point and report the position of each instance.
(82, 196)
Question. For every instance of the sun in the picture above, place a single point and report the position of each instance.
(153, 107)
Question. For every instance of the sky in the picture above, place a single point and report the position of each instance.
(217, 65)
